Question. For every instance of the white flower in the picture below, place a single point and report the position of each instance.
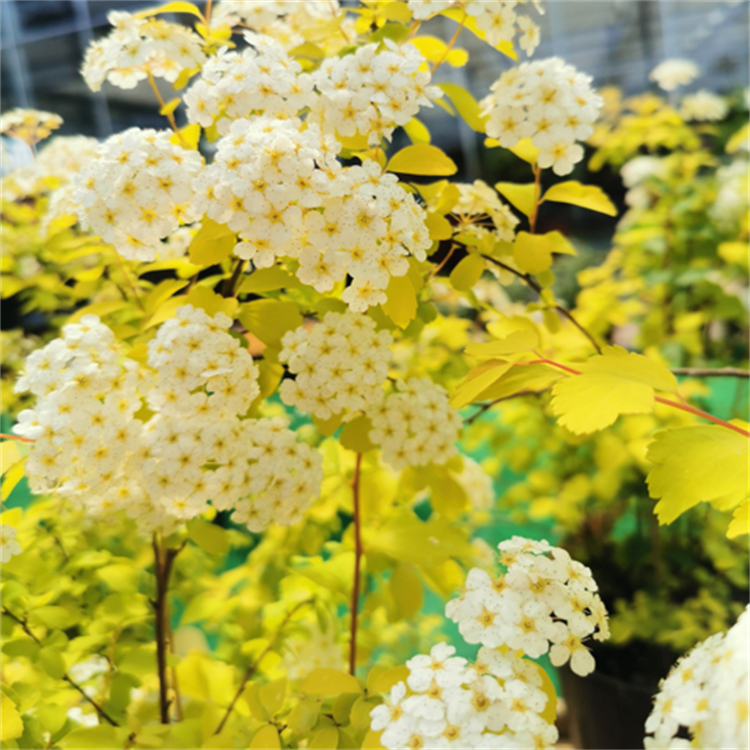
(8, 544)
(704, 106)
(670, 74)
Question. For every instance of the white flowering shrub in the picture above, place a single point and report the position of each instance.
(241, 418)
(706, 693)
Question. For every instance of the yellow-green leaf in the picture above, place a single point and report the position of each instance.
(407, 591)
(585, 196)
(327, 681)
(735, 252)
(52, 662)
(272, 695)
(212, 244)
(9, 455)
(326, 738)
(11, 478)
(356, 435)
(11, 725)
(371, 740)
(266, 738)
(417, 131)
(161, 293)
(183, 78)
(209, 537)
(477, 381)
(422, 159)
(187, 137)
(533, 252)
(523, 340)
(610, 384)
(466, 106)
(401, 305)
(526, 150)
(522, 379)
(174, 7)
(102, 737)
(439, 227)
(268, 280)
(390, 677)
(212, 303)
(467, 272)
(740, 523)
(399, 12)
(270, 319)
(521, 197)
(170, 106)
(51, 616)
(119, 577)
(694, 464)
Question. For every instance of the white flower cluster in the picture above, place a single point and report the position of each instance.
(704, 106)
(234, 85)
(269, 181)
(478, 200)
(8, 544)
(340, 365)
(549, 102)
(291, 22)
(415, 425)
(311, 649)
(371, 92)
(137, 191)
(139, 47)
(544, 599)
(91, 445)
(449, 703)
(733, 194)
(29, 125)
(708, 693)
(477, 484)
(672, 74)
(498, 20)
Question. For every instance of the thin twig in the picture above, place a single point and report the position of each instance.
(435, 271)
(449, 47)
(129, 281)
(164, 559)
(169, 115)
(250, 671)
(65, 678)
(486, 407)
(357, 521)
(228, 288)
(20, 439)
(527, 278)
(707, 372)
(535, 211)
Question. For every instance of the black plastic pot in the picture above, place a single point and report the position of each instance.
(608, 709)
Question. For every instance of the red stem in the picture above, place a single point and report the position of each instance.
(15, 437)
(357, 564)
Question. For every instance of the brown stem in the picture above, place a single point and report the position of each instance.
(357, 564)
(164, 559)
(65, 678)
(207, 12)
(535, 211)
(228, 288)
(707, 372)
(129, 281)
(435, 271)
(250, 671)
(486, 407)
(527, 278)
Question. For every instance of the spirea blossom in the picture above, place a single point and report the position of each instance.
(290, 22)
(8, 544)
(543, 602)
(340, 365)
(371, 92)
(415, 425)
(706, 693)
(704, 106)
(498, 20)
(258, 80)
(279, 185)
(137, 191)
(447, 702)
(97, 445)
(139, 47)
(29, 125)
(672, 74)
(549, 102)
